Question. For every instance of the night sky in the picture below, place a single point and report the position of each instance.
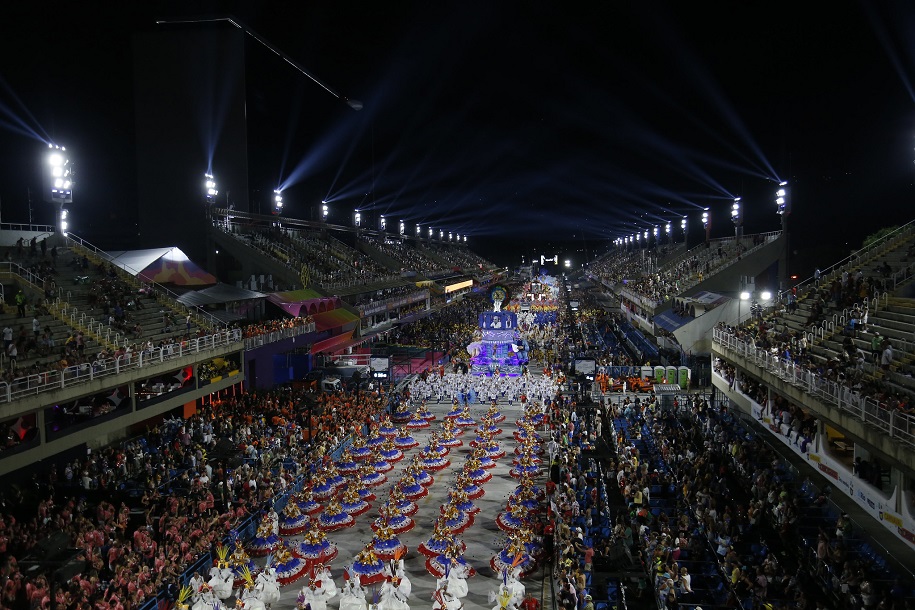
(531, 127)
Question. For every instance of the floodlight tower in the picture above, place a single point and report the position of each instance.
(683, 228)
(737, 217)
(277, 202)
(382, 223)
(403, 228)
(357, 219)
(667, 230)
(706, 223)
(325, 211)
(783, 208)
(58, 184)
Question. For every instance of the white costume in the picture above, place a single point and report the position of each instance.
(267, 587)
(221, 582)
(352, 597)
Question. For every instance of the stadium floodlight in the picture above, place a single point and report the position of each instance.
(209, 185)
(357, 218)
(465, 239)
(58, 177)
(325, 211)
(765, 295)
(783, 198)
(418, 230)
(64, 223)
(705, 218)
(441, 234)
(431, 232)
(567, 263)
(450, 236)
(382, 223)
(403, 227)
(667, 229)
(655, 231)
(735, 211)
(744, 296)
(646, 235)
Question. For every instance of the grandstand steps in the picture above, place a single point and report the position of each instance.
(254, 261)
(375, 253)
(432, 254)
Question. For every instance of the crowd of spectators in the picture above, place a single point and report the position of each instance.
(182, 502)
(265, 327)
(726, 501)
(661, 285)
(847, 367)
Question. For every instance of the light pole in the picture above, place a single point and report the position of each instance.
(706, 223)
(783, 208)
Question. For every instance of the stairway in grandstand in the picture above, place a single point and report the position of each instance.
(888, 313)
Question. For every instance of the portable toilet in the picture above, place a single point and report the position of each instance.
(647, 372)
(683, 376)
(659, 373)
(671, 374)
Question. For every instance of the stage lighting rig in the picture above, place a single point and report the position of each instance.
(382, 223)
(278, 202)
(325, 211)
(357, 218)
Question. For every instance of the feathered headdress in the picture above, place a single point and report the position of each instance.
(184, 594)
(249, 579)
(222, 552)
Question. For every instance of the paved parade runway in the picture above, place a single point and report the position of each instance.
(483, 539)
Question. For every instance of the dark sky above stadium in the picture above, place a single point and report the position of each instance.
(535, 125)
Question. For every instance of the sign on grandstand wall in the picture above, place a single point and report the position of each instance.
(459, 286)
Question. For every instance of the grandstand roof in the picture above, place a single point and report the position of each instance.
(220, 293)
(161, 265)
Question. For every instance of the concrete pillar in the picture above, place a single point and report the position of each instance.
(39, 421)
(897, 481)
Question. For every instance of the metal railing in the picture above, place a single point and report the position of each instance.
(278, 335)
(856, 257)
(76, 374)
(895, 424)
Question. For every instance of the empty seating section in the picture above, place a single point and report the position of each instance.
(642, 347)
(328, 262)
(408, 257)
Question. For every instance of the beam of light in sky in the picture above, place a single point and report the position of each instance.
(708, 86)
(19, 129)
(886, 41)
(19, 125)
